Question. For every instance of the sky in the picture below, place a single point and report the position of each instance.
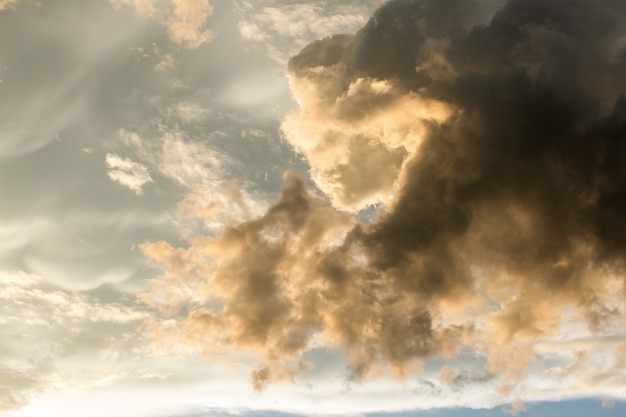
(309, 207)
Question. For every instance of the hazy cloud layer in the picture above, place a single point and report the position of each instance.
(497, 153)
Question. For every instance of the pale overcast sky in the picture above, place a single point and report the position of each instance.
(312, 207)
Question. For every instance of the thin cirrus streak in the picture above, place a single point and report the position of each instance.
(497, 156)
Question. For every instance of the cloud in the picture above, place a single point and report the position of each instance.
(189, 163)
(255, 311)
(345, 130)
(8, 4)
(127, 173)
(42, 326)
(495, 153)
(608, 402)
(459, 379)
(39, 306)
(214, 198)
(174, 153)
(186, 26)
(184, 20)
(283, 29)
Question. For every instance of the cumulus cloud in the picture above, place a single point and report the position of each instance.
(184, 20)
(496, 153)
(127, 172)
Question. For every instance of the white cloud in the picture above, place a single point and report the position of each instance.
(127, 173)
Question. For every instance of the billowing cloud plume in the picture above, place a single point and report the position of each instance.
(497, 154)
(184, 19)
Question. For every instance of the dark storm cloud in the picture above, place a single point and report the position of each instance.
(509, 210)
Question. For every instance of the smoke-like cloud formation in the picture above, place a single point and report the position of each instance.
(497, 154)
